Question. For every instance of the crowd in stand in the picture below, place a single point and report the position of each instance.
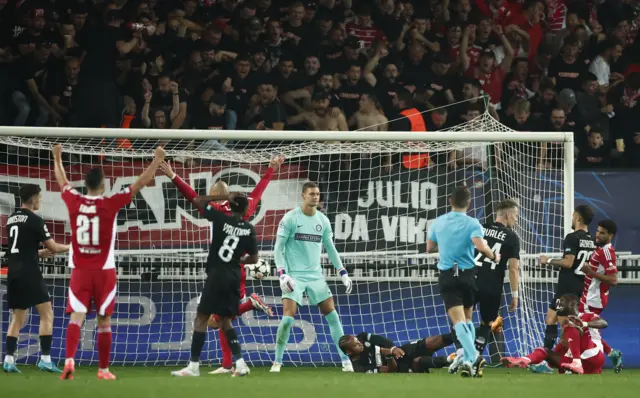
(552, 65)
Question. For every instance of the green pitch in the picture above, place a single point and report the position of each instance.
(156, 382)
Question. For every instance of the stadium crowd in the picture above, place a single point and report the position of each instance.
(328, 65)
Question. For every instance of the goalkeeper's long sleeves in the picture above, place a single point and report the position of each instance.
(278, 252)
(332, 252)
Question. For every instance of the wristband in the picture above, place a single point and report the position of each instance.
(391, 349)
(549, 261)
(281, 271)
(585, 324)
(342, 272)
(514, 294)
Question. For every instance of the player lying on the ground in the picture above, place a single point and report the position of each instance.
(302, 233)
(93, 235)
(232, 237)
(220, 188)
(580, 346)
(599, 275)
(372, 353)
(25, 286)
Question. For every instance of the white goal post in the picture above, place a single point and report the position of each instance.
(380, 211)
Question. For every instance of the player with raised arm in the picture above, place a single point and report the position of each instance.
(599, 276)
(454, 236)
(232, 237)
(580, 346)
(25, 286)
(502, 239)
(93, 236)
(577, 248)
(221, 189)
(301, 234)
(372, 353)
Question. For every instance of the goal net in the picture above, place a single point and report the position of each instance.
(381, 196)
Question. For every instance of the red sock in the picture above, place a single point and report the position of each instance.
(572, 336)
(73, 337)
(538, 355)
(606, 347)
(245, 307)
(104, 346)
(227, 356)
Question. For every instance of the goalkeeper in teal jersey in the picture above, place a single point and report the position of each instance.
(301, 234)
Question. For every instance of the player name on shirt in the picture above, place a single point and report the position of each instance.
(587, 244)
(18, 218)
(494, 233)
(235, 231)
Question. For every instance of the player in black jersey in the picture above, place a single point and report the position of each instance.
(501, 239)
(25, 286)
(231, 238)
(372, 353)
(578, 246)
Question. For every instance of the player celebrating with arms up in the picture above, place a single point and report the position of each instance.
(599, 276)
(454, 235)
(221, 189)
(301, 234)
(577, 248)
(93, 235)
(25, 286)
(232, 237)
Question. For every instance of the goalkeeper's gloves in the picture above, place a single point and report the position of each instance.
(287, 284)
(346, 281)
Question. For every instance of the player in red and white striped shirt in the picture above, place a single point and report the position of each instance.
(254, 302)
(599, 275)
(93, 220)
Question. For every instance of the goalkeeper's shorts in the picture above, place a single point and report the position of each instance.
(316, 289)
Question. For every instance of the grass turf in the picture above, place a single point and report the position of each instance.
(156, 382)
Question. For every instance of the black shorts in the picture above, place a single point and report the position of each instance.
(412, 351)
(26, 292)
(220, 295)
(457, 290)
(489, 304)
(562, 290)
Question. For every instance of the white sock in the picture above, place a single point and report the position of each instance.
(194, 365)
(69, 360)
(104, 370)
(46, 358)
(240, 363)
(9, 359)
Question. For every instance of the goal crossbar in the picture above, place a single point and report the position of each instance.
(285, 135)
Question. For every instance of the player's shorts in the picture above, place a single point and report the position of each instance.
(563, 290)
(26, 292)
(457, 290)
(220, 295)
(489, 304)
(591, 366)
(594, 310)
(315, 288)
(87, 284)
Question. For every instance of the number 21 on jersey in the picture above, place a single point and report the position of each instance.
(88, 230)
(481, 259)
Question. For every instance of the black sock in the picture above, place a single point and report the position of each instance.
(447, 339)
(550, 336)
(482, 337)
(232, 338)
(45, 345)
(12, 345)
(196, 345)
(456, 342)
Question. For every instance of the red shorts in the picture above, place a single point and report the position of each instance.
(99, 285)
(594, 310)
(591, 366)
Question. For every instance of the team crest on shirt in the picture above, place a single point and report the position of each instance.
(367, 344)
(318, 228)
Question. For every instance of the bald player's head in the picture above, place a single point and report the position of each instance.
(219, 188)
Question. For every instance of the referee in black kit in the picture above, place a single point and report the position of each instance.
(26, 287)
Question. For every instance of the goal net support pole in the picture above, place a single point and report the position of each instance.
(379, 217)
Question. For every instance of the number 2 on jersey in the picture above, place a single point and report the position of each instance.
(228, 248)
(496, 249)
(88, 232)
(13, 233)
